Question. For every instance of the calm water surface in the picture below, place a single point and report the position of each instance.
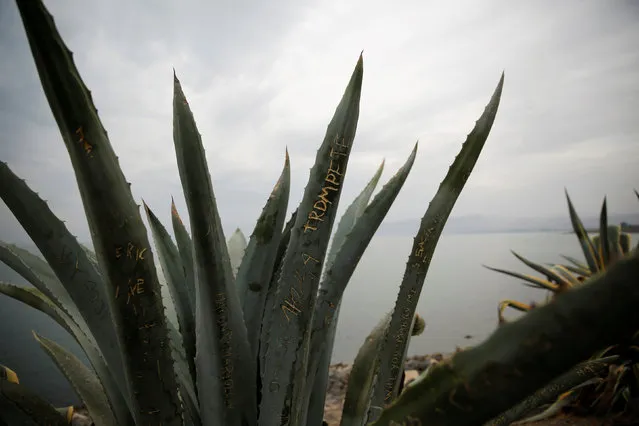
(459, 299)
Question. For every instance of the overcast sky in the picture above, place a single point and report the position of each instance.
(263, 76)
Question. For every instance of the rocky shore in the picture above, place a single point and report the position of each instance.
(338, 380)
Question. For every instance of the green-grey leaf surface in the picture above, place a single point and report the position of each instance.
(171, 264)
(37, 300)
(361, 379)
(603, 234)
(38, 272)
(225, 373)
(363, 225)
(185, 247)
(350, 216)
(539, 282)
(563, 282)
(575, 262)
(432, 224)
(185, 380)
(83, 289)
(20, 406)
(254, 275)
(288, 324)
(118, 233)
(236, 246)
(584, 241)
(84, 381)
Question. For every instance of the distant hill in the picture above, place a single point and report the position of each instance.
(492, 224)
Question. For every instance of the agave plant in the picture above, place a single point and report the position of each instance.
(247, 348)
(600, 252)
(584, 385)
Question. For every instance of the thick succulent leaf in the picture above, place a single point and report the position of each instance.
(185, 380)
(541, 283)
(37, 300)
(271, 297)
(613, 238)
(84, 381)
(587, 247)
(289, 324)
(569, 279)
(91, 256)
(362, 376)
(479, 383)
(236, 246)
(68, 277)
(576, 262)
(562, 282)
(119, 235)
(38, 272)
(579, 271)
(604, 249)
(225, 373)
(394, 348)
(185, 247)
(255, 272)
(20, 406)
(361, 231)
(625, 242)
(172, 267)
(521, 307)
(8, 374)
(350, 216)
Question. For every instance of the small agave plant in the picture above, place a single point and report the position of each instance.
(584, 385)
(600, 252)
(249, 346)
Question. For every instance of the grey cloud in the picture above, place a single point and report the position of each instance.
(263, 76)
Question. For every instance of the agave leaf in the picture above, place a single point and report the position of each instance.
(8, 374)
(569, 278)
(319, 363)
(236, 246)
(479, 383)
(255, 272)
(172, 267)
(625, 242)
(183, 375)
(579, 374)
(579, 271)
(37, 300)
(350, 216)
(290, 322)
(20, 406)
(38, 272)
(271, 299)
(84, 382)
(603, 234)
(118, 233)
(613, 239)
(91, 256)
(222, 359)
(562, 283)
(541, 283)
(338, 274)
(84, 290)
(586, 244)
(361, 378)
(575, 262)
(185, 247)
(431, 227)
(521, 307)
